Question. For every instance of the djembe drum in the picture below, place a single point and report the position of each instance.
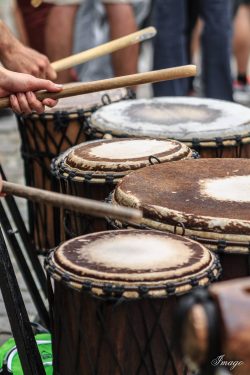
(214, 328)
(92, 169)
(114, 299)
(45, 136)
(206, 199)
(214, 128)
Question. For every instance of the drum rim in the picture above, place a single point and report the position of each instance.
(229, 227)
(220, 243)
(134, 289)
(61, 170)
(213, 142)
(79, 112)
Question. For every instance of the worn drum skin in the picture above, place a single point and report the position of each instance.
(214, 128)
(114, 301)
(92, 169)
(47, 135)
(207, 199)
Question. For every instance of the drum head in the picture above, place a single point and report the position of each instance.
(88, 102)
(134, 259)
(119, 155)
(179, 118)
(207, 194)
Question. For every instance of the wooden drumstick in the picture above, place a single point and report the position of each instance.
(104, 49)
(114, 83)
(83, 205)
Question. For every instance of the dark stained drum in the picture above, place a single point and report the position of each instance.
(207, 199)
(114, 299)
(45, 136)
(215, 328)
(92, 170)
(214, 128)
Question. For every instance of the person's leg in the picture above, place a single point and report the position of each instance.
(34, 21)
(216, 48)
(59, 32)
(241, 42)
(170, 47)
(122, 22)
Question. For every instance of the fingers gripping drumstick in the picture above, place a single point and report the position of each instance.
(114, 83)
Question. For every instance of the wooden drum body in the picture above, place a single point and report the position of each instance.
(45, 136)
(114, 299)
(214, 128)
(206, 199)
(215, 328)
(92, 170)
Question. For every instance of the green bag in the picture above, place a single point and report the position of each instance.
(9, 359)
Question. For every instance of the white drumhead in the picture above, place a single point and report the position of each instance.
(89, 101)
(182, 118)
(121, 155)
(132, 256)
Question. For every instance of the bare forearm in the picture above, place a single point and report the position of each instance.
(122, 22)
(7, 40)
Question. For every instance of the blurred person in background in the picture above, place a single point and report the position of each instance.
(103, 20)
(241, 46)
(59, 28)
(49, 28)
(175, 20)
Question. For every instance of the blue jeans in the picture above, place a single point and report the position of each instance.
(172, 45)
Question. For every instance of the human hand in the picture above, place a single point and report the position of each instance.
(27, 60)
(20, 87)
(17, 57)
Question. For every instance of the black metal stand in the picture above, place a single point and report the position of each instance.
(26, 345)
(23, 266)
(22, 230)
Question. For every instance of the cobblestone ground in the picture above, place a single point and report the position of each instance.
(11, 161)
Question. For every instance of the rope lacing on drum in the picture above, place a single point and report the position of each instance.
(88, 177)
(180, 225)
(170, 288)
(71, 174)
(107, 289)
(195, 154)
(143, 291)
(86, 286)
(196, 143)
(106, 99)
(220, 146)
(109, 179)
(221, 246)
(131, 94)
(151, 158)
(238, 141)
(194, 282)
(65, 278)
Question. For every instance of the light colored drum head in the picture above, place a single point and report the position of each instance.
(206, 195)
(179, 118)
(120, 155)
(132, 259)
(88, 102)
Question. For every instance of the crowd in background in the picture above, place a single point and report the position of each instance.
(216, 33)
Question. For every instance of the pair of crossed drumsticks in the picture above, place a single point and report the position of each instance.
(88, 206)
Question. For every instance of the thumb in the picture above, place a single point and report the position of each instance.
(43, 84)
